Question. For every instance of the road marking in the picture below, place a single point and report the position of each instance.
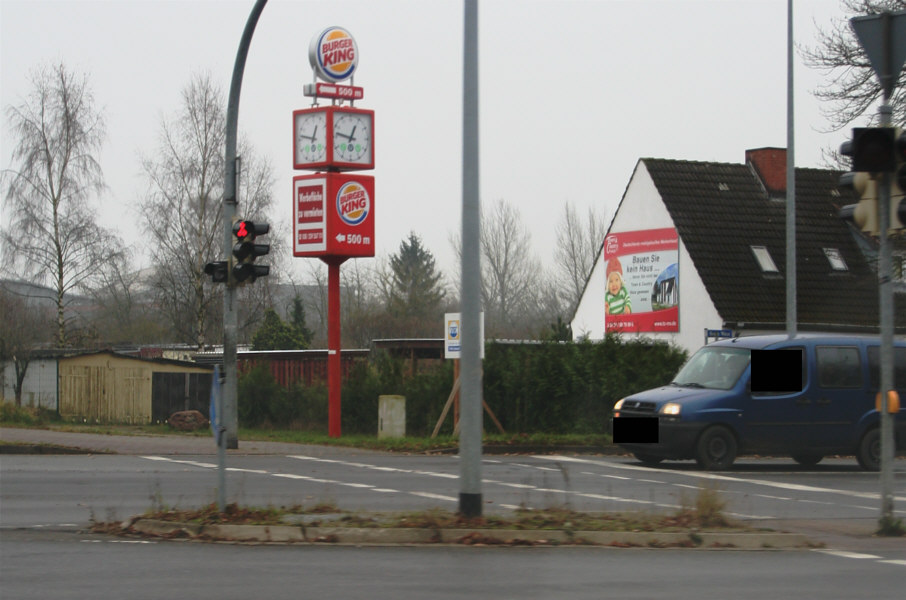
(764, 482)
(902, 563)
(846, 554)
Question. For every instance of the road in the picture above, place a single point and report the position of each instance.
(46, 502)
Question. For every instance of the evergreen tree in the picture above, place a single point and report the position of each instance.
(416, 290)
(274, 334)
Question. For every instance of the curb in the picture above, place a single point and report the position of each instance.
(295, 534)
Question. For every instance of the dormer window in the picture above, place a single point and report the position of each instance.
(764, 259)
(835, 259)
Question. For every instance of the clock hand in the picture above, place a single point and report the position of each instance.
(349, 137)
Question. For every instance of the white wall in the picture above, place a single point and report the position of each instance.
(642, 208)
(39, 387)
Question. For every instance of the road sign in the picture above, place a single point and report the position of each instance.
(878, 32)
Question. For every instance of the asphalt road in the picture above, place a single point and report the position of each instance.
(47, 500)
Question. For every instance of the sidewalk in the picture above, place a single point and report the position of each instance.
(157, 444)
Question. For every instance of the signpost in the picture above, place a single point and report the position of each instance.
(333, 209)
(883, 37)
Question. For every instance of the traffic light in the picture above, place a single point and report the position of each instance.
(219, 271)
(871, 149)
(898, 184)
(245, 251)
(865, 213)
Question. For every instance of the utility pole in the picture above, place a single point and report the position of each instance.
(230, 316)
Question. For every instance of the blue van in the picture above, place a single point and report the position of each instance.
(710, 413)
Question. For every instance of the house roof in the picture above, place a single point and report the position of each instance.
(722, 210)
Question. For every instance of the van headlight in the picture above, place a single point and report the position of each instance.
(671, 409)
(619, 404)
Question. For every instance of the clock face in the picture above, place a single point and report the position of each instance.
(352, 137)
(311, 137)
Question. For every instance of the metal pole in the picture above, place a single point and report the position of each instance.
(334, 367)
(230, 318)
(885, 289)
(470, 503)
(791, 308)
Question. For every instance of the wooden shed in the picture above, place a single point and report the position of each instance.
(106, 387)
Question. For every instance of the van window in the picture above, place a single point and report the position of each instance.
(874, 367)
(804, 371)
(714, 367)
(839, 367)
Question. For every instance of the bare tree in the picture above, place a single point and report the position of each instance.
(578, 244)
(510, 274)
(54, 236)
(183, 210)
(852, 88)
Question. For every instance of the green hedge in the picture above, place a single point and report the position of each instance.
(547, 387)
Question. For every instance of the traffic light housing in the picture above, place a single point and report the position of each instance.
(898, 183)
(871, 149)
(245, 251)
(219, 271)
(874, 152)
(865, 189)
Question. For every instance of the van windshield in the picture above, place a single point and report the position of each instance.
(717, 368)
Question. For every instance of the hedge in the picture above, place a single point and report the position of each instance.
(546, 387)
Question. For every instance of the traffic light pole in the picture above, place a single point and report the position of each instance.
(230, 316)
(885, 292)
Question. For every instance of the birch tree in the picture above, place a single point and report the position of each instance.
(53, 236)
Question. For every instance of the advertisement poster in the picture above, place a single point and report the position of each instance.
(641, 281)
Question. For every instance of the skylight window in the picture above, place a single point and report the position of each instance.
(835, 259)
(764, 259)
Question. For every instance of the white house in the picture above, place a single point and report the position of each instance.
(698, 247)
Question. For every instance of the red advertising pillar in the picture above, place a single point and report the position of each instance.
(333, 211)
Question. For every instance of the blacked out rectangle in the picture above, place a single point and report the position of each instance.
(777, 371)
(635, 430)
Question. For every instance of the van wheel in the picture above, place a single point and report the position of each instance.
(808, 460)
(869, 451)
(716, 449)
(648, 459)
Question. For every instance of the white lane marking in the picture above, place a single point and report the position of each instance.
(902, 563)
(435, 496)
(846, 554)
(764, 482)
(523, 486)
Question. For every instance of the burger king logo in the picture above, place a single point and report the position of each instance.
(333, 54)
(353, 203)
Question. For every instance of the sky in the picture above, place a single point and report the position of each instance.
(572, 94)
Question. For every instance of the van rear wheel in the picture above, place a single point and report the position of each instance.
(869, 452)
(716, 449)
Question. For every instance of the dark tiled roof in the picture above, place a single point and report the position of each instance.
(721, 210)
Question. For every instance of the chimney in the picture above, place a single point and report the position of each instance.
(769, 165)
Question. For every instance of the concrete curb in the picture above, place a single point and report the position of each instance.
(295, 534)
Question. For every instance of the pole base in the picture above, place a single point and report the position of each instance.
(470, 505)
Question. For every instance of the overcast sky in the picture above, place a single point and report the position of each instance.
(573, 93)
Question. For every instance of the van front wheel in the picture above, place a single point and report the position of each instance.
(869, 451)
(716, 449)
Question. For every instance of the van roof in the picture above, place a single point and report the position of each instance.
(757, 342)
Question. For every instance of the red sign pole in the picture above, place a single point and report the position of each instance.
(334, 373)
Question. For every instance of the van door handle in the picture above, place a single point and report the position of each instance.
(803, 401)
(824, 401)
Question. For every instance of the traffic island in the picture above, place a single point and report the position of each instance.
(552, 527)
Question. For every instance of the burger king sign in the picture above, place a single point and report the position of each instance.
(333, 55)
(333, 215)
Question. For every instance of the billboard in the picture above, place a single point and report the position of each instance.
(333, 215)
(641, 281)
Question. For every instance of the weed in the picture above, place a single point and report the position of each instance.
(891, 527)
(705, 510)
